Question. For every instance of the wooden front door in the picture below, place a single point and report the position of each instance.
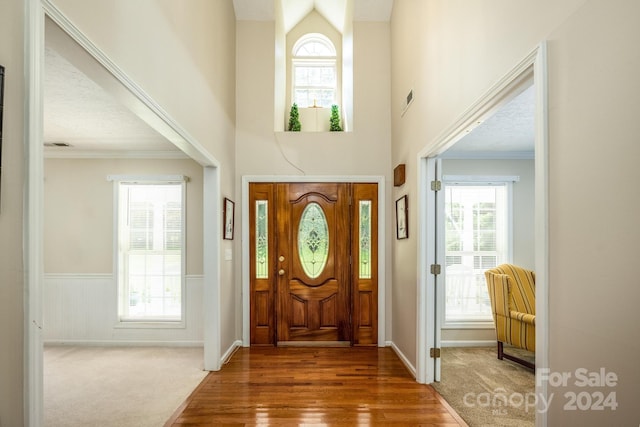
(313, 263)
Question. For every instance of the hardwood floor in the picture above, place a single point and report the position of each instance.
(314, 386)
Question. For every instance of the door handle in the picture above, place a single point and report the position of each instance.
(281, 272)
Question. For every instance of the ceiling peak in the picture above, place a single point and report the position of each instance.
(333, 10)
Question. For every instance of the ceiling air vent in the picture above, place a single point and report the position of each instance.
(406, 103)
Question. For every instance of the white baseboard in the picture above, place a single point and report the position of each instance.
(124, 343)
(462, 343)
(403, 358)
(230, 351)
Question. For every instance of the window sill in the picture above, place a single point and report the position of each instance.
(313, 137)
(479, 324)
(150, 324)
(313, 132)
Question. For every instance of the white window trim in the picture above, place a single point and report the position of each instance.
(309, 37)
(148, 179)
(480, 179)
(319, 61)
(484, 180)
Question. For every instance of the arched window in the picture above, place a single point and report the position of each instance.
(314, 71)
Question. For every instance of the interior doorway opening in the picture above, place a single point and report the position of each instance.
(532, 70)
(39, 14)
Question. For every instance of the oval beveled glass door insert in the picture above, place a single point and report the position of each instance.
(313, 240)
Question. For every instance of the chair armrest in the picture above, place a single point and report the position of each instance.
(523, 317)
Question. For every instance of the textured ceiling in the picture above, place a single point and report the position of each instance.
(509, 133)
(77, 111)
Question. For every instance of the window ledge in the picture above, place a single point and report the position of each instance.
(312, 136)
(480, 324)
(148, 324)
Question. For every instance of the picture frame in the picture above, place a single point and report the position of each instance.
(402, 218)
(228, 215)
(1, 113)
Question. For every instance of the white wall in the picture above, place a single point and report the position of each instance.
(12, 331)
(365, 151)
(451, 52)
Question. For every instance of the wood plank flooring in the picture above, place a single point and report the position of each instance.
(314, 386)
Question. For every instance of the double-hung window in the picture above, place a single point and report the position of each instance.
(150, 249)
(477, 216)
(314, 71)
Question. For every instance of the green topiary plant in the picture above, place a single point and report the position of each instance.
(294, 119)
(334, 121)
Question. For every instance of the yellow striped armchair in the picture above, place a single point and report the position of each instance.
(512, 291)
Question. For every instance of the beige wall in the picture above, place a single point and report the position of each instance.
(453, 51)
(12, 332)
(78, 220)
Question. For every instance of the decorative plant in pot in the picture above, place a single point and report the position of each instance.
(334, 121)
(294, 119)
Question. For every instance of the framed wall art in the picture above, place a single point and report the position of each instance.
(228, 211)
(402, 218)
(1, 112)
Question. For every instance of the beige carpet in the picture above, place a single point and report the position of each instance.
(486, 391)
(117, 386)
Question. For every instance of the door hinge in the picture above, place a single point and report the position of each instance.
(436, 185)
(434, 352)
(435, 269)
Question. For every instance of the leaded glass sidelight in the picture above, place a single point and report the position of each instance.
(313, 240)
(262, 239)
(365, 239)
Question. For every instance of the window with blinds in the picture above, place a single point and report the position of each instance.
(476, 239)
(150, 251)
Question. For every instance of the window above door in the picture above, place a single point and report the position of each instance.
(314, 72)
